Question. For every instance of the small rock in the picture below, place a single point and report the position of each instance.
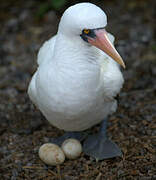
(12, 25)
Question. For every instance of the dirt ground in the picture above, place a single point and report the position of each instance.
(22, 127)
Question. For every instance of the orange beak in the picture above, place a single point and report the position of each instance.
(102, 42)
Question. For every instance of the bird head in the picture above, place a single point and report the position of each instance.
(87, 22)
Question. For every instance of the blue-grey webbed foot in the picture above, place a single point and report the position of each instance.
(99, 146)
(76, 135)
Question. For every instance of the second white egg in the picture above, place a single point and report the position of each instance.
(72, 148)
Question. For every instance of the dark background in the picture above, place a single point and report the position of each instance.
(24, 26)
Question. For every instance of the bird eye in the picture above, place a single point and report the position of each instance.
(86, 31)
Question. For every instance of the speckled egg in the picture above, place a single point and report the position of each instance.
(51, 154)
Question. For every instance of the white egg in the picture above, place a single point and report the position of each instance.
(72, 148)
(51, 154)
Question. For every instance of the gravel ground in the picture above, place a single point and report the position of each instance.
(23, 129)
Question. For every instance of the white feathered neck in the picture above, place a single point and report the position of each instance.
(76, 61)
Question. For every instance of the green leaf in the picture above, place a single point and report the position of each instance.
(43, 9)
(154, 47)
(57, 4)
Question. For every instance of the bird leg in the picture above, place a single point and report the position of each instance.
(99, 146)
(76, 135)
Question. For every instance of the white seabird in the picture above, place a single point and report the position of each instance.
(78, 77)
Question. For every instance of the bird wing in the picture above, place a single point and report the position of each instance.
(46, 50)
(111, 76)
(32, 89)
(45, 53)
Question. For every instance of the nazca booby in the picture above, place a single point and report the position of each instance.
(78, 77)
